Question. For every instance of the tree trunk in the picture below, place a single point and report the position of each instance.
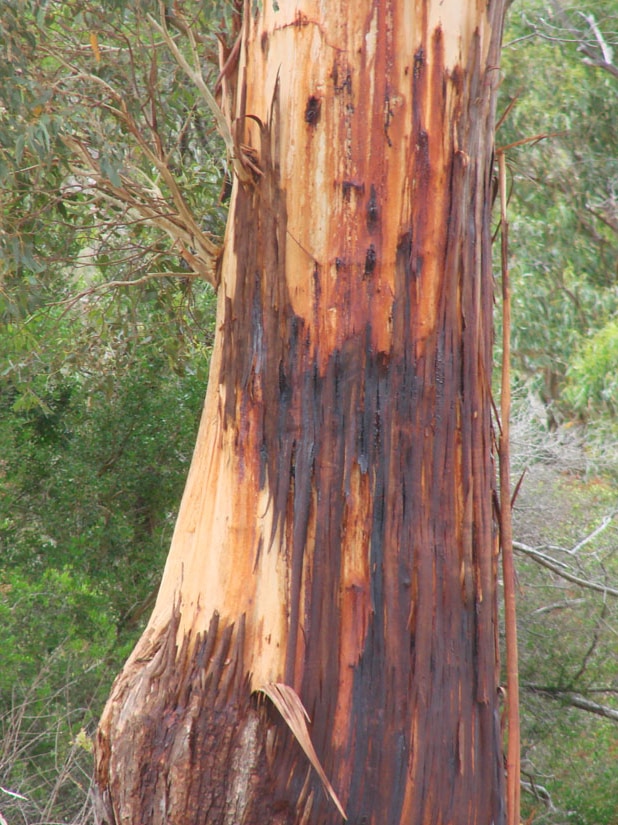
(336, 533)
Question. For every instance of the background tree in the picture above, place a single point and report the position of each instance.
(568, 613)
(101, 388)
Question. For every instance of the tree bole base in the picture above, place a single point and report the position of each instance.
(185, 741)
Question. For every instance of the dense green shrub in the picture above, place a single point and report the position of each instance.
(592, 377)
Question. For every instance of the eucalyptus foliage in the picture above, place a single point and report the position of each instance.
(562, 125)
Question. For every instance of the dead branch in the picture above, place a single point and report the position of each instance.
(592, 58)
(561, 605)
(506, 525)
(576, 700)
(532, 787)
(562, 570)
(606, 521)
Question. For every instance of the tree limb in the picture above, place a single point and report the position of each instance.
(576, 700)
(561, 570)
(179, 224)
(606, 521)
(177, 221)
(592, 58)
(581, 702)
(538, 791)
(241, 163)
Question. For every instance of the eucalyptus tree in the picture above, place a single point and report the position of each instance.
(334, 551)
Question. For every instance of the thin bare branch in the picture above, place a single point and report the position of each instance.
(110, 285)
(509, 107)
(592, 707)
(14, 794)
(538, 791)
(576, 700)
(592, 647)
(605, 60)
(606, 51)
(524, 141)
(561, 570)
(607, 520)
(506, 524)
(561, 605)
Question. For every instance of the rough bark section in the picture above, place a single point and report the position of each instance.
(370, 436)
(183, 740)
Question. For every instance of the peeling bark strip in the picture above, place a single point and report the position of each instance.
(287, 702)
(336, 535)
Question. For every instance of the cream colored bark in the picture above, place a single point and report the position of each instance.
(336, 522)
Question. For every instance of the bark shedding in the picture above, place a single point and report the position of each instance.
(336, 531)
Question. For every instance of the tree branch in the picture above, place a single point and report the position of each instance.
(592, 58)
(241, 163)
(592, 707)
(562, 570)
(606, 521)
(538, 791)
(110, 285)
(179, 224)
(576, 700)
